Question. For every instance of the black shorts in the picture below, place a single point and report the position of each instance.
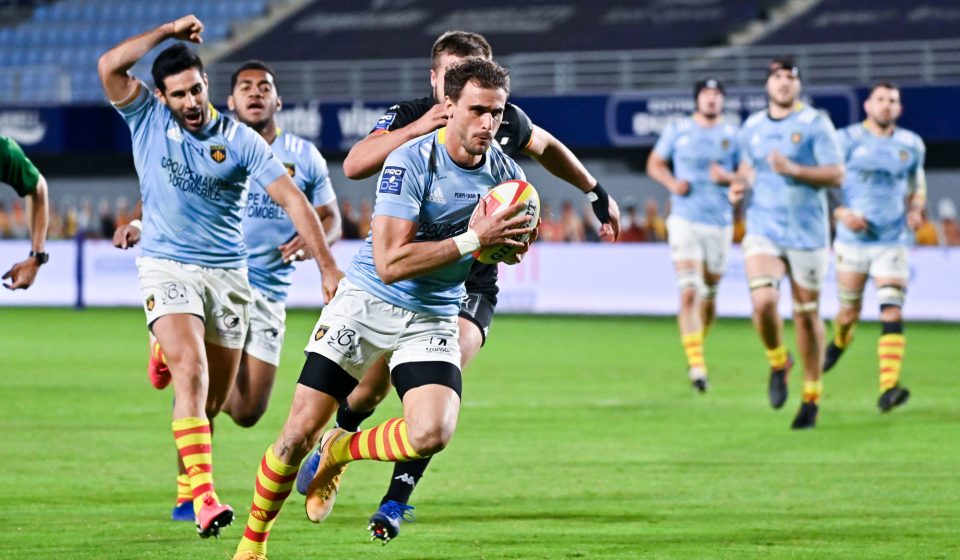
(480, 302)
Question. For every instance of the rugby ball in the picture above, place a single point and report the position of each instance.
(498, 200)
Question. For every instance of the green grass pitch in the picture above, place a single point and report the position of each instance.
(578, 438)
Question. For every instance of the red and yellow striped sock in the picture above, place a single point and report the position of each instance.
(386, 442)
(195, 446)
(157, 353)
(274, 481)
(693, 348)
(184, 494)
(890, 349)
(812, 391)
(777, 357)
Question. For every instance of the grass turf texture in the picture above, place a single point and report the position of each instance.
(579, 438)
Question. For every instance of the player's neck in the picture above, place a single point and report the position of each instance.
(268, 130)
(779, 112)
(459, 154)
(877, 130)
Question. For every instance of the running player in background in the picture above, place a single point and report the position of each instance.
(273, 246)
(883, 199)
(194, 165)
(704, 154)
(789, 155)
(18, 171)
(399, 300)
(516, 135)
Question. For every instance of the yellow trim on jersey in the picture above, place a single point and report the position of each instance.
(442, 135)
(214, 114)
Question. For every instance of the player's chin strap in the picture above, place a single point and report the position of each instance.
(600, 201)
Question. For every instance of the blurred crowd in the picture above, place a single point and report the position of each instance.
(564, 224)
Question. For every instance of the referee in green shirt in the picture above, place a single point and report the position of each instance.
(20, 173)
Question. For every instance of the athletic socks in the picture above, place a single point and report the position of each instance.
(777, 357)
(890, 350)
(812, 391)
(192, 436)
(386, 442)
(406, 475)
(693, 348)
(274, 482)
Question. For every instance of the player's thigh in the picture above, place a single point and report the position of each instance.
(223, 365)
(255, 380)
(890, 265)
(807, 268)
(478, 308)
(173, 292)
(685, 245)
(765, 269)
(265, 334)
(227, 299)
(181, 339)
(373, 387)
(427, 353)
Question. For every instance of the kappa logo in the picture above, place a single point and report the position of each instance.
(291, 169)
(320, 332)
(391, 180)
(218, 153)
(406, 479)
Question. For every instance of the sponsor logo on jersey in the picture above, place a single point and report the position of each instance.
(904, 156)
(436, 196)
(218, 153)
(384, 122)
(391, 181)
(725, 144)
(291, 169)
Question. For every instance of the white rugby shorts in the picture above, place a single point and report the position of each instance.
(690, 241)
(879, 261)
(807, 267)
(267, 327)
(219, 296)
(356, 328)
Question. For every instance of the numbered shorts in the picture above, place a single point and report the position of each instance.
(807, 267)
(267, 326)
(356, 328)
(690, 241)
(219, 296)
(879, 261)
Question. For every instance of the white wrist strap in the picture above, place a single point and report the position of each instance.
(137, 224)
(467, 242)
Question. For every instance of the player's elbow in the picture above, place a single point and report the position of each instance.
(837, 176)
(388, 272)
(354, 169)
(105, 66)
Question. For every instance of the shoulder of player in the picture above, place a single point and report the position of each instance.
(813, 116)
(414, 153)
(755, 119)
(908, 138)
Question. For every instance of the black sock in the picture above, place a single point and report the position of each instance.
(406, 475)
(350, 419)
(891, 327)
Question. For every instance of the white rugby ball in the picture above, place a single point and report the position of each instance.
(498, 200)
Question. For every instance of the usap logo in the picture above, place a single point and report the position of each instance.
(392, 180)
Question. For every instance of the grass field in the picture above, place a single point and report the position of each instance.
(578, 438)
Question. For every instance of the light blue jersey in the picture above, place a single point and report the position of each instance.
(791, 214)
(877, 182)
(193, 185)
(419, 182)
(265, 224)
(692, 148)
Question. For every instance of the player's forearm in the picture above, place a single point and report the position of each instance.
(409, 260)
(818, 176)
(918, 190)
(659, 171)
(305, 220)
(39, 216)
(331, 222)
(366, 157)
(557, 158)
(121, 58)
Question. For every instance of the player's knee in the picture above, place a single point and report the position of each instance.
(891, 313)
(688, 298)
(709, 293)
(429, 437)
(249, 415)
(691, 286)
(470, 341)
(891, 295)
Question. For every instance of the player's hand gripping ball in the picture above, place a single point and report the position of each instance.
(499, 199)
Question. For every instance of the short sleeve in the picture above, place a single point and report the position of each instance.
(521, 127)
(397, 117)
(845, 141)
(664, 146)
(400, 187)
(16, 169)
(263, 168)
(743, 145)
(826, 145)
(921, 155)
(138, 112)
(320, 186)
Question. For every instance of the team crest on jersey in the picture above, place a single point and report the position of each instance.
(904, 156)
(151, 302)
(291, 169)
(795, 137)
(321, 331)
(725, 144)
(218, 153)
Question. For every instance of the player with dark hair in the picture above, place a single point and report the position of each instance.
(516, 135)
(704, 153)
(18, 171)
(194, 166)
(789, 156)
(399, 300)
(883, 198)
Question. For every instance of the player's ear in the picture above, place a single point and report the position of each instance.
(448, 105)
(279, 103)
(206, 82)
(231, 105)
(433, 79)
(160, 96)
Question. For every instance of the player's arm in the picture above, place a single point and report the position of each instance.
(23, 273)
(741, 181)
(917, 189)
(304, 217)
(114, 65)
(366, 157)
(658, 169)
(830, 175)
(557, 158)
(398, 256)
(128, 235)
(329, 214)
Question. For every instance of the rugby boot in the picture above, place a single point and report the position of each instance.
(307, 471)
(806, 417)
(831, 356)
(322, 492)
(385, 523)
(157, 369)
(893, 397)
(777, 387)
(213, 516)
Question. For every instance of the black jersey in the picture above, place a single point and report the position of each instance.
(513, 136)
